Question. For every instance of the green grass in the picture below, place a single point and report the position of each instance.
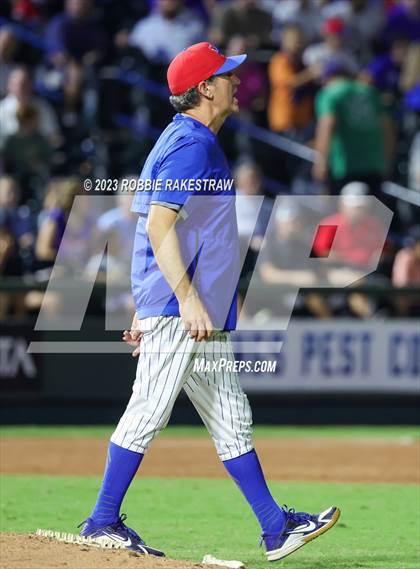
(391, 432)
(378, 529)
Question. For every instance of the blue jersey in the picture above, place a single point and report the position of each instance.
(188, 171)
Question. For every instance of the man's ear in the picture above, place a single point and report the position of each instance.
(205, 89)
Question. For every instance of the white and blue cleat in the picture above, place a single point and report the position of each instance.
(300, 529)
(117, 535)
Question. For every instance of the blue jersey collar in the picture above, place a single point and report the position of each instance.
(197, 124)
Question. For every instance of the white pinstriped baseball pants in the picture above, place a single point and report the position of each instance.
(165, 367)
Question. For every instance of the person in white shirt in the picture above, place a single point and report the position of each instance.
(251, 230)
(248, 182)
(333, 48)
(19, 89)
(414, 164)
(165, 32)
(303, 13)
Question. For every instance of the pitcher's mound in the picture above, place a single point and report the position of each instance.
(33, 552)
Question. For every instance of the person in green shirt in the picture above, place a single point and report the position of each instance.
(27, 154)
(354, 133)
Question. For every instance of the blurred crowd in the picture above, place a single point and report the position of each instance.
(83, 95)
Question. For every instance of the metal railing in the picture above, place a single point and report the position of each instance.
(29, 283)
(401, 193)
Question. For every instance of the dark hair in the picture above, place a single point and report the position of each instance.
(27, 113)
(187, 100)
(336, 68)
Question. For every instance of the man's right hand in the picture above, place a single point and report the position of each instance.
(133, 337)
(195, 317)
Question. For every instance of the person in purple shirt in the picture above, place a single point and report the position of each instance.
(187, 224)
(74, 33)
(201, 7)
(384, 71)
(53, 218)
(18, 221)
(404, 20)
(74, 39)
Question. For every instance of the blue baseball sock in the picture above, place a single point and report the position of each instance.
(247, 473)
(121, 467)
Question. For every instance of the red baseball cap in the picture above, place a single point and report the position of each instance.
(333, 26)
(197, 63)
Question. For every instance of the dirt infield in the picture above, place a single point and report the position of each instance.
(32, 552)
(325, 460)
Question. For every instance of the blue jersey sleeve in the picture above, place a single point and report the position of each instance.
(179, 170)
